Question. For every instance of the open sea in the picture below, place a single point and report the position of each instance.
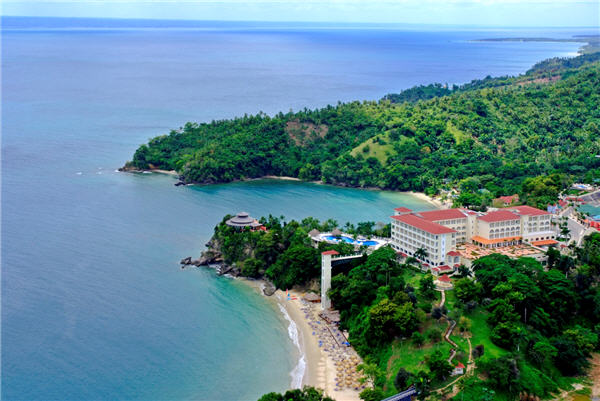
(94, 304)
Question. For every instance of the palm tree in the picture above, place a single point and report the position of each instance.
(565, 233)
(464, 271)
(421, 254)
(411, 261)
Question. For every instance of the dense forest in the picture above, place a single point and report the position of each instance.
(495, 132)
(283, 253)
(532, 328)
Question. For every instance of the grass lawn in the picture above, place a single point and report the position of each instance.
(406, 355)
(411, 276)
(481, 334)
(450, 300)
(376, 150)
(480, 330)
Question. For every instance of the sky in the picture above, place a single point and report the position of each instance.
(505, 13)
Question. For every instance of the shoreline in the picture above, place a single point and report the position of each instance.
(317, 367)
(420, 195)
(154, 170)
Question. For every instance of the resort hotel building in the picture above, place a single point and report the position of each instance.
(439, 232)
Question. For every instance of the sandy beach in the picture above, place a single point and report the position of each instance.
(279, 177)
(328, 362)
(436, 202)
(168, 172)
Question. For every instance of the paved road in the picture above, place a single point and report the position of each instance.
(577, 230)
(592, 197)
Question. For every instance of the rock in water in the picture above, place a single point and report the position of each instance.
(269, 289)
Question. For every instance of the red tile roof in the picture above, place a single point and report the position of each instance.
(445, 267)
(402, 209)
(457, 265)
(332, 252)
(544, 242)
(453, 253)
(460, 365)
(445, 214)
(423, 224)
(488, 241)
(445, 278)
(499, 215)
(529, 211)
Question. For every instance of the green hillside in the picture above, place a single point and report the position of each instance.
(495, 131)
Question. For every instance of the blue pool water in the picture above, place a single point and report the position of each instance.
(352, 241)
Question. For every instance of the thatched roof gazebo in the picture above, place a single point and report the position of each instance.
(241, 220)
(313, 233)
(336, 232)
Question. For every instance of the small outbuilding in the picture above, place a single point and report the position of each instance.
(443, 282)
(458, 369)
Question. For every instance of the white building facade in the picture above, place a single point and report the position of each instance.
(438, 232)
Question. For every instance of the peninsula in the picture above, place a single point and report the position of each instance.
(491, 136)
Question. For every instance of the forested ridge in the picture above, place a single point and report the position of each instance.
(497, 130)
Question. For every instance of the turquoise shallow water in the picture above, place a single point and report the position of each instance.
(94, 305)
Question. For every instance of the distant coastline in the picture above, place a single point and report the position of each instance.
(591, 43)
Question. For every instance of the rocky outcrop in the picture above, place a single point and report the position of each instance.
(269, 289)
(208, 257)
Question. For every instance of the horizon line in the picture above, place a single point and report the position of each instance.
(301, 22)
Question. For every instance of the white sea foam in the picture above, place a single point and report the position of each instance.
(298, 372)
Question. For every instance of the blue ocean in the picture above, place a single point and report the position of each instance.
(94, 304)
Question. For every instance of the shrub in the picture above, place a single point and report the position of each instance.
(402, 378)
(478, 351)
(434, 335)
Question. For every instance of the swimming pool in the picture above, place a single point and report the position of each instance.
(351, 240)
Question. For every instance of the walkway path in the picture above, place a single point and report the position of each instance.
(595, 376)
(443, 301)
(470, 370)
(470, 363)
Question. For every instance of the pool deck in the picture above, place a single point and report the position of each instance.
(349, 239)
